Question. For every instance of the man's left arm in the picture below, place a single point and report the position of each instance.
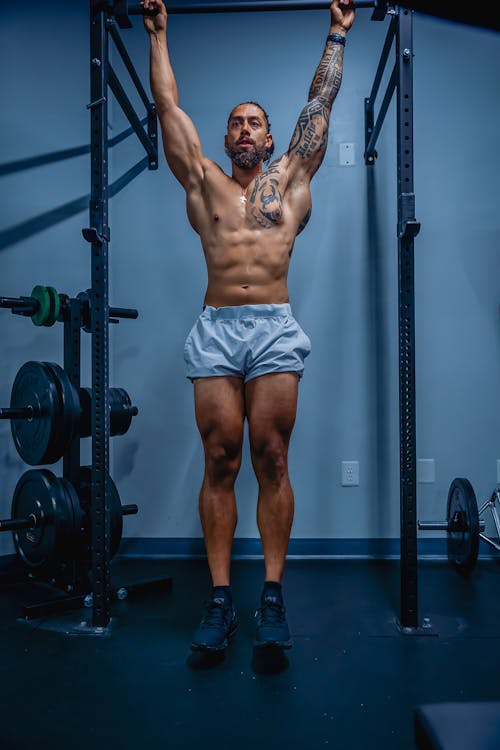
(308, 145)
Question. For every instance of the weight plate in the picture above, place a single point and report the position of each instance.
(41, 494)
(42, 295)
(70, 406)
(85, 414)
(37, 440)
(72, 544)
(463, 525)
(55, 306)
(114, 504)
(120, 414)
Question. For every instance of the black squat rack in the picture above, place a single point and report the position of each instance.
(66, 530)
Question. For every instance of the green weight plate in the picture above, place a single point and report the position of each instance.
(42, 295)
(115, 508)
(41, 494)
(463, 525)
(70, 406)
(37, 440)
(55, 306)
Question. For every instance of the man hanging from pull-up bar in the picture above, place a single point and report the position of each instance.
(245, 354)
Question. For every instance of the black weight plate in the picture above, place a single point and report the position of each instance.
(85, 413)
(72, 544)
(115, 508)
(37, 440)
(40, 493)
(462, 511)
(70, 405)
(120, 416)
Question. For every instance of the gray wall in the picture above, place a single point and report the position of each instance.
(343, 278)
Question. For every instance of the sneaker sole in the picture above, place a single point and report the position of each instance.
(274, 644)
(218, 647)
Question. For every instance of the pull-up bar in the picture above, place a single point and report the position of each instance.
(121, 9)
(257, 6)
(486, 15)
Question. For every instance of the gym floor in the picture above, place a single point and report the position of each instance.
(351, 680)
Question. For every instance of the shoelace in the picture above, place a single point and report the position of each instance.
(215, 615)
(271, 613)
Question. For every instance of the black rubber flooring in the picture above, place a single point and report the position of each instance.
(351, 680)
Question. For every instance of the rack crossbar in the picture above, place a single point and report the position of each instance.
(130, 112)
(129, 65)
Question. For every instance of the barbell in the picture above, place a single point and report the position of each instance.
(463, 525)
(47, 412)
(45, 306)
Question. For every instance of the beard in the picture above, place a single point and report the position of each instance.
(249, 159)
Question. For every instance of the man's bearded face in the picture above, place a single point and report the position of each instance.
(247, 142)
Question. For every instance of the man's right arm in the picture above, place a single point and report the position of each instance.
(180, 139)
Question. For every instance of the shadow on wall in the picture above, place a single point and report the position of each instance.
(36, 224)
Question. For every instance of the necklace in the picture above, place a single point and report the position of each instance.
(243, 197)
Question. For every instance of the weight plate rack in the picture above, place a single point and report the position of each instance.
(67, 529)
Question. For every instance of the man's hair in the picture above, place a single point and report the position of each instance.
(256, 104)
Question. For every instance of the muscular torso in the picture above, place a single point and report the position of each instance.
(248, 243)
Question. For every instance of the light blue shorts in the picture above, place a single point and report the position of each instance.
(245, 341)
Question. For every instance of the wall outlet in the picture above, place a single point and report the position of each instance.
(347, 156)
(350, 473)
(426, 470)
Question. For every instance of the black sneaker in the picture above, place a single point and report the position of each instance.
(217, 626)
(272, 627)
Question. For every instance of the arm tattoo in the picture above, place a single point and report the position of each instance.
(311, 132)
(328, 76)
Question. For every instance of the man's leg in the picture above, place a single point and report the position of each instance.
(271, 408)
(271, 402)
(220, 414)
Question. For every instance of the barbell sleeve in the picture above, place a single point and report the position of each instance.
(24, 412)
(123, 312)
(18, 524)
(20, 304)
(130, 510)
(442, 525)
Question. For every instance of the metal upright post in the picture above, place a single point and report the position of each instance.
(407, 229)
(72, 345)
(98, 235)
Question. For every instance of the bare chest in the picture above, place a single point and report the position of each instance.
(267, 207)
(262, 205)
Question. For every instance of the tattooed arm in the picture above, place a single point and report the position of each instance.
(308, 145)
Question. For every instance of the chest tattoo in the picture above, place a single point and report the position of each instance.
(266, 200)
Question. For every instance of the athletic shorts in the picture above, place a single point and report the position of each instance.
(245, 341)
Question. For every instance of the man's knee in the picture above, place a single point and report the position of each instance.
(270, 458)
(222, 461)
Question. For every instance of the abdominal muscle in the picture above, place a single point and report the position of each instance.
(247, 255)
(245, 273)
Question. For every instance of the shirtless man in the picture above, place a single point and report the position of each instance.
(245, 354)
